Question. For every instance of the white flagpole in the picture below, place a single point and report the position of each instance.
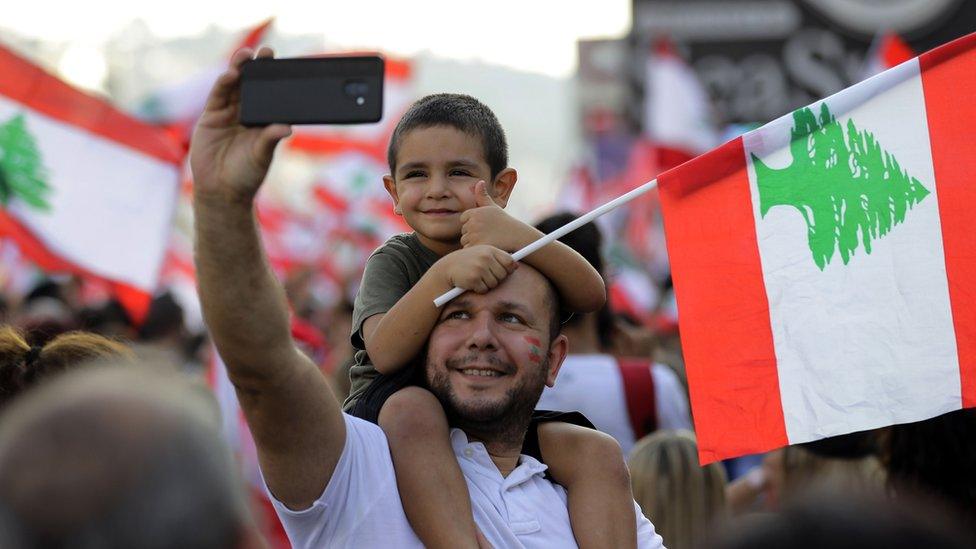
(567, 228)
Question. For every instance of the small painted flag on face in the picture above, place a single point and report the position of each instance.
(823, 264)
(535, 349)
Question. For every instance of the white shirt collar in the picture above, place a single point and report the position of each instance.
(473, 457)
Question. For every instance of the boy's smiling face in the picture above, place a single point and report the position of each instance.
(437, 168)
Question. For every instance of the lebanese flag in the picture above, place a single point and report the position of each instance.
(84, 188)
(677, 112)
(824, 264)
(887, 50)
(179, 105)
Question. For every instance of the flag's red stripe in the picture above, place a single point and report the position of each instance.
(949, 81)
(313, 142)
(723, 311)
(135, 300)
(256, 35)
(44, 93)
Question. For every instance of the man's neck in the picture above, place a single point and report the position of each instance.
(504, 453)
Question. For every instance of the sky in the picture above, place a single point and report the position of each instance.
(530, 35)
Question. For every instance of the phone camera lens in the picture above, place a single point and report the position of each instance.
(357, 90)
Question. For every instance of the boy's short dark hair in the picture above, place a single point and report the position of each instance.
(459, 111)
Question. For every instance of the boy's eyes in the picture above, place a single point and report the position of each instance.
(457, 172)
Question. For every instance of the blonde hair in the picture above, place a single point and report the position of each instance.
(681, 498)
(22, 365)
(805, 472)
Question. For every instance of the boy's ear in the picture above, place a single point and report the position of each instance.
(503, 186)
(391, 189)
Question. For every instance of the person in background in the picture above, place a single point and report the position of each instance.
(23, 365)
(845, 464)
(625, 397)
(935, 459)
(842, 521)
(46, 311)
(118, 456)
(109, 319)
(687, 501)
(162, 335)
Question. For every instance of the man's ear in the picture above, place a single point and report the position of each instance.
(391, 189)
(503, 186)
(557, 353)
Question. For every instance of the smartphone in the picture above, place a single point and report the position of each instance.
(312, 90)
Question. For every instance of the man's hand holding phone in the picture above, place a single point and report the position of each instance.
(253, 103)
(230, 161)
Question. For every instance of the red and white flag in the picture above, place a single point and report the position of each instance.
(180, 104)
(824, 264)
(84, 188)
(887, 50)
(677, 112)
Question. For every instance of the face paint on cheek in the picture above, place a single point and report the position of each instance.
(535, 353)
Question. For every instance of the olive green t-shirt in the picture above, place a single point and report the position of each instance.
(390, 273)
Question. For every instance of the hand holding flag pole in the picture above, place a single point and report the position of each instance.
(565, 229)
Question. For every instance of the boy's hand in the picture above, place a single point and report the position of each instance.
(228, 160)
(478, 268)
(489, 224)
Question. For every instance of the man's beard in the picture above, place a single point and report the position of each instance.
(503, 420)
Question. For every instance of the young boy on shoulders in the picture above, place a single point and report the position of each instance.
(449, 179)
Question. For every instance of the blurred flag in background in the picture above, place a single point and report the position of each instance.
(85, 188)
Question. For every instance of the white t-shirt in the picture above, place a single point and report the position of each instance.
(592, 384)
(361, 507)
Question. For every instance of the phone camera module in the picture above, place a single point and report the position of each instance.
(357, 90)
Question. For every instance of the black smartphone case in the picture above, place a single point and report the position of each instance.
(312, 90)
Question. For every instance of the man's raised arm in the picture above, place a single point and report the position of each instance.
(296, 423)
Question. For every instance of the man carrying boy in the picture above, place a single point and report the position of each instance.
(301, 436)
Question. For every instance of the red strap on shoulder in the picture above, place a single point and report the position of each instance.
(639, 393)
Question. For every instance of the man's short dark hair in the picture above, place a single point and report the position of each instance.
(459, 111)
(551, 301)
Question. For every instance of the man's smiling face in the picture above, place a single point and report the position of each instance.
(489, 356)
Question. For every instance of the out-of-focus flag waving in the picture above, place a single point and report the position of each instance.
(179, 105)
(887, 50)
(368, 139)
(677, 112)
(824, 264)
(84, 188)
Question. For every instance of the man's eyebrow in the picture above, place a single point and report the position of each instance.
(516, 306)
(459, 303)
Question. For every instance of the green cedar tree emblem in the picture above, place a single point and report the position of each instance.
(847, 188)
(22, 173)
